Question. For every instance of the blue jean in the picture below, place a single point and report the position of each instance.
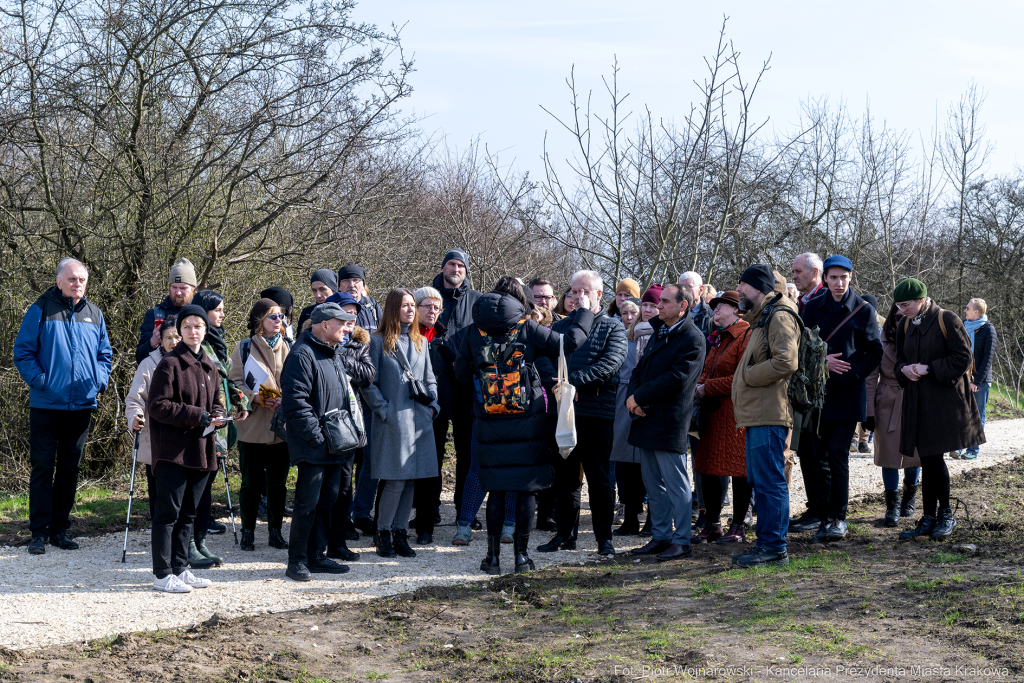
(766, 472)
(981, 398)
(668, 494)
(891, 477)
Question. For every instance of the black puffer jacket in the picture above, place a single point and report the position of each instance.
(594, 365)
(313, 382)
(514, 450)
(355, 358)
(441, 359)
(458, 305)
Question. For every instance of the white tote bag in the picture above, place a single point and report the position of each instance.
(565, 431)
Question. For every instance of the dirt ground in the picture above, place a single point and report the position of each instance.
(869, 608)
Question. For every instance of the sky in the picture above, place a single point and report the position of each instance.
(485, 69)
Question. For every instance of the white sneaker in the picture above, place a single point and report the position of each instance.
(192, 581)
(171, 584)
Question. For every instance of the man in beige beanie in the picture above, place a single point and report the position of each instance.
(182, 283)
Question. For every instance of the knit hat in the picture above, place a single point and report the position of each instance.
(760, 277)
(426, 293)
(279, 295)
(628, 285)
(327, 311)
(326, 276)
(189, 311)
(653, 293)
(344, 299)
(634, 300)
(836, 261)
(351, 271)
(910, 289)
(870, 298)
(183, 272)
(458, 255)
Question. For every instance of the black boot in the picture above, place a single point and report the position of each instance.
(521, 545)
(276, 540)
(491, 565)
(892, 508)
(631, 523)
(924, 528)
(945, 524)
(248, 540)
(909, 501)
(401, 539)
(383, 542)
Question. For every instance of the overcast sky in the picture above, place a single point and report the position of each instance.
(485, 68)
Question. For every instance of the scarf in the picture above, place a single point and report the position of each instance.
(916, 320)
(973, 326)
(272, 342)
(642, 335)
(715, 338)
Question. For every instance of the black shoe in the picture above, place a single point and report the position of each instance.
(424, 538)
(298, 572)
(521, 548)
(759, 557)
(836, 530)
(476, 525)
(675, 551)
(605, 548)
(248, 540)
(945, 524)
(819, 536)
(342, 553)
(491, 562)
(351, 535)
(555, 544)
(276, 540)
(652, 548)
(364, 524)
(892, 509)
(646, 531)
(322, 565)
(37, 546)
(205, 552)
(383, 542)
(803, 523)
(60, 540)
(863, 448)
(214, 527)
(908, 502)
(631, 527)
(196, 560)
(546, 524)
(924, 527)
(401, 541)
(289, 509)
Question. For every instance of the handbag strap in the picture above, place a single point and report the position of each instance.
(403, 361)
(845, 320)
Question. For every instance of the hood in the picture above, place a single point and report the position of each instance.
(54, 294)
(360, 336)
(497, 313)
(438, 284)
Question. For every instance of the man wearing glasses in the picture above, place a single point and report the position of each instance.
(544, 295)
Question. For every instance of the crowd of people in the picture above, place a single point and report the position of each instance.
(362, 400)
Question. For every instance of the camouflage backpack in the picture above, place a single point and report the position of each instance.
(504, 375)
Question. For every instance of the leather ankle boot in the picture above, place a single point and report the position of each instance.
(248, 540)
(383, 543)
(924, 528)
(401, 540)
(521, 545)
(491, 565)
(892, 509)
(276, 540)
(945, 524)
(909, 501)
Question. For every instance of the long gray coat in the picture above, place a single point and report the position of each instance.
(402, 435)
(621, 450)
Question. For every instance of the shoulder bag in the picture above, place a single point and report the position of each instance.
(417, 391)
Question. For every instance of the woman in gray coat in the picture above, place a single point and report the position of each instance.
(402, 448)
(626, 457)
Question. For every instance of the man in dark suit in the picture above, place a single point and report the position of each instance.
(848, 326)
(661, 401)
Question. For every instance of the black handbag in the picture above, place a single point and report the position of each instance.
(417, 391)
(340, 431)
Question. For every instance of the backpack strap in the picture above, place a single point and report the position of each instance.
(244, 348)
(766, 318)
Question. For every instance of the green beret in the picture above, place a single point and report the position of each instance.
(910, 289)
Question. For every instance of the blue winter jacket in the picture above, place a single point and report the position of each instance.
(63, 353)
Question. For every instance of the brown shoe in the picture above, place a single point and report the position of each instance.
(709, 534)
(652, 548)
(675, 551)
(737, 534)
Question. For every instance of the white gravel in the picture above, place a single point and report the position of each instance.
(74, 596)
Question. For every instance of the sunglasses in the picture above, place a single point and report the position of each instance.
(276, 316)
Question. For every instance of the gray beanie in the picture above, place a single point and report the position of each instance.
(326, 276)
(458, 255)
(183, 272)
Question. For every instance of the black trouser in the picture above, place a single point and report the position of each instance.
(593, 447)
(741, 493)
(427, 496)
(178, 490)
(934, 484)
(526, 505)
(805, 454)
(264, 466)
(832, 468)
(462, 434)
(202, 522)
(316, 491)
(631, 488)
(339, 519)
(56, 441)
(151, 491)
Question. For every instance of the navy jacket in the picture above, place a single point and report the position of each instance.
(594, 365)
(663, 383)
(984, 353)
(63, 353)
(702, 316)
(163, 311)
(858, 341)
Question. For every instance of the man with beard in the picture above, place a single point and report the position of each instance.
(352, 279)
(183, 283)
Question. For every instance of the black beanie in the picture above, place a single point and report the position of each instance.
(760, 277)
(351, 271)
(278, 294)
(189, 311)
(458, 255)
(326, 276)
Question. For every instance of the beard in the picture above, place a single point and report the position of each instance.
(745, 304)
(454, 280)
(180, 301)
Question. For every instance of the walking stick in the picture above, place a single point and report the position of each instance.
(231, 509)
(131, 492)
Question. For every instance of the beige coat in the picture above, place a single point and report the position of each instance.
(759, 387)
(256, 427)
(887, 403)
(135, 401)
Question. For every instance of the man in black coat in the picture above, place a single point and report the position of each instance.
(983, 346)
(594, 371)
(660, 399)
(182, 284)
(848, 326)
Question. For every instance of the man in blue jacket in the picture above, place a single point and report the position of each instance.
(847, 324)
(983, 346)
(63, 354)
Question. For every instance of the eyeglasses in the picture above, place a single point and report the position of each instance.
(276, 316)
(904, 305)
(430, 307)
(542, 297)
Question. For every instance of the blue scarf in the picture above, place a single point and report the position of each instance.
(272, 342)
(973, 326)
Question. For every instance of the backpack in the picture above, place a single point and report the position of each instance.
(504, 376)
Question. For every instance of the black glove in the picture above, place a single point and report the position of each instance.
(205, 420)
(869, 424)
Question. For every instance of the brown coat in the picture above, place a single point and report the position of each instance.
(183, 388)
(886, 404)
(722, 450)
(939, 411)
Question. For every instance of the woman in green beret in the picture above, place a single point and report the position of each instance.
(933, 363)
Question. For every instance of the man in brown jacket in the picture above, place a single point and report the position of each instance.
(761, 404)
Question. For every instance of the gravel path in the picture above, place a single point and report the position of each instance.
(74, 596)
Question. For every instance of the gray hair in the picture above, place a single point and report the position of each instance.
(695, 279)
(592, 277)
(426, 293)
(813, 260)
(68, 261)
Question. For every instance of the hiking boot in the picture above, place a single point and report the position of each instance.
(298, 572)
(463, 535)
(892, 509)
(803, 523)
(924, 528)
(507, 530)
(61, 540)
(205, 552)
(401, 541)
(196, 559)
(248, 540)
(342, 553)
(491, 564)
(37, 546)
(944, 525)
(760, 557)
(276, 540)
(909, 500)
(737, 534)
(555, 544)
(521, 548)
(709, 534)
(836, 530)
(383, 543)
